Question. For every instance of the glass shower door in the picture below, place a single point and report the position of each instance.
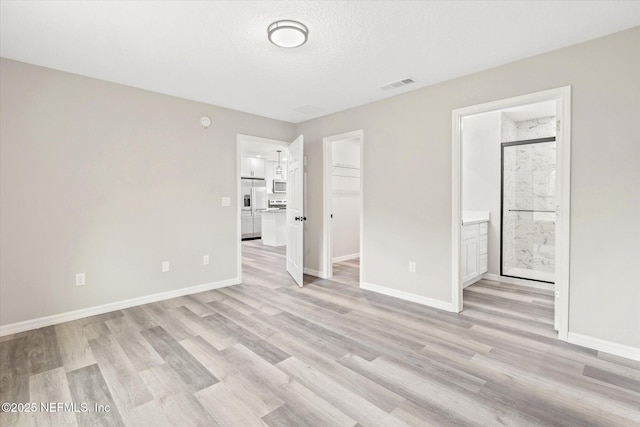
(528, 209)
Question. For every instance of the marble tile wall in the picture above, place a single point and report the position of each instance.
(536, 128)
(509, 130)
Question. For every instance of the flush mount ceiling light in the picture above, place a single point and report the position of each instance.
(287, 33)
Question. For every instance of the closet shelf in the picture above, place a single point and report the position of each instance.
(344, 166)
(345, 171)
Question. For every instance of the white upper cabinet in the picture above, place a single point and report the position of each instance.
(252, 167)
(245, 167)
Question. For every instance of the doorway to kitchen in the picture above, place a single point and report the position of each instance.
(262, 200)
(342, 207)
(510, 203)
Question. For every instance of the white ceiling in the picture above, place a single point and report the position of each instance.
(217, 52)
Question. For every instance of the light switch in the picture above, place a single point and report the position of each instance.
(226, 201)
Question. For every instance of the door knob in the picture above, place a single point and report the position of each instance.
(297, 218)
(304, 218)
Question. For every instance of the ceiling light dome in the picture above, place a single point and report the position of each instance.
(287, 33)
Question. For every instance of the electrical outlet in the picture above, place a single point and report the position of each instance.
(81, 280)
(165, 266)
(412, 267)
(205, 260)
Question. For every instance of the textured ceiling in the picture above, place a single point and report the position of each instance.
(217, 52)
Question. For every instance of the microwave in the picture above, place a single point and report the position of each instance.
(279, 186)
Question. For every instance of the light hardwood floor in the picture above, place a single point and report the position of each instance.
(269, 353)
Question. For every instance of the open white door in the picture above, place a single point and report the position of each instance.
(295, 210)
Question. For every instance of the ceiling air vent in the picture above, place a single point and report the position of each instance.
(399, 83)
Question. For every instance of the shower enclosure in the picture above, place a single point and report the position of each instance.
(528, 201)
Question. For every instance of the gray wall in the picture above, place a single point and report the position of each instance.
(407, 157)
(111, 181)
(481, 176)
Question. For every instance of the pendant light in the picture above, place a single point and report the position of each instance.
(279, 168)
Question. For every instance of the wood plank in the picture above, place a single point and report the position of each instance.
(226, 408)
(14, 377)
(285, 416)
(51, 387)
(149, 414)
(190, 371)
(340, 397)
(612, 378)
(447, 400)
(311, 407)
(74, 346)
(43, 350)
(185, 410)
(163, 381)
(121, 376)
(138, 350)
(258, 345)
(87, 385)
(361, 385)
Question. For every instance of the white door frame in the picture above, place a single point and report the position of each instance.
(562, 97)
(239, 138)
(327, 268)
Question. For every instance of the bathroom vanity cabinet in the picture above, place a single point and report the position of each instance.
(474, 247)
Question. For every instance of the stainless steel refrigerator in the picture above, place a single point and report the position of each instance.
(254, 202)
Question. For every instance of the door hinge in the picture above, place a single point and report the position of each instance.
(331, 215)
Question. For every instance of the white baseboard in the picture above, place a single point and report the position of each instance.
(346, 257)
(520, 282)
(54, 319)
(407, 296)
(314, 273)
(622, 350)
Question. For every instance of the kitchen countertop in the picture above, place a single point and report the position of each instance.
(273, 210)
(475, 217)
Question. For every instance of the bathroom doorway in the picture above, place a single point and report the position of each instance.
(518, 196)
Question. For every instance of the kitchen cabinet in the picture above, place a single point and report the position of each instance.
(252, 167)
(473, 250)
(274, 227)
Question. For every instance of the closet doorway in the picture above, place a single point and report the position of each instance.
(342, 208)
